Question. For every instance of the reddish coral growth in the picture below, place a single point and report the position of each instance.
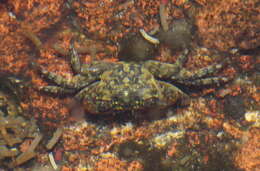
(78, 139)
(16, 50)
(172, 150)
(113, 19)
(135, 166)
(111, 164)
(232, 130)
(25, 145)
(248, 157)
(227, 24)
(47, 12)
(164, 2)
(13, 50)
(246, 62)
(64, 168)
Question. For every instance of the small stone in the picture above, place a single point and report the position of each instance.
(254, 117)
(136, 48)
(234, 106)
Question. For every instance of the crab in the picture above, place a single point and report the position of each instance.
(114, 87)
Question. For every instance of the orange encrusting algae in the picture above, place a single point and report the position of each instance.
(247, 157)
(227, 24)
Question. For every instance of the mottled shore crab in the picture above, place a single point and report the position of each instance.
(111, 87)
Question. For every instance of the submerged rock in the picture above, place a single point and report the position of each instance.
(234, 107)
(135, 48)
(178, 36)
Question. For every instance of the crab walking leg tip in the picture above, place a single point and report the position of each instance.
(149, 38)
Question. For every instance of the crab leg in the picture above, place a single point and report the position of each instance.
(74, 59)
(56, 90)
(166, 70)
(149, 38)
(171, 94)
(198, 74)
(181, 60)
(205, 81)
(206, 71)
(76, 82)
